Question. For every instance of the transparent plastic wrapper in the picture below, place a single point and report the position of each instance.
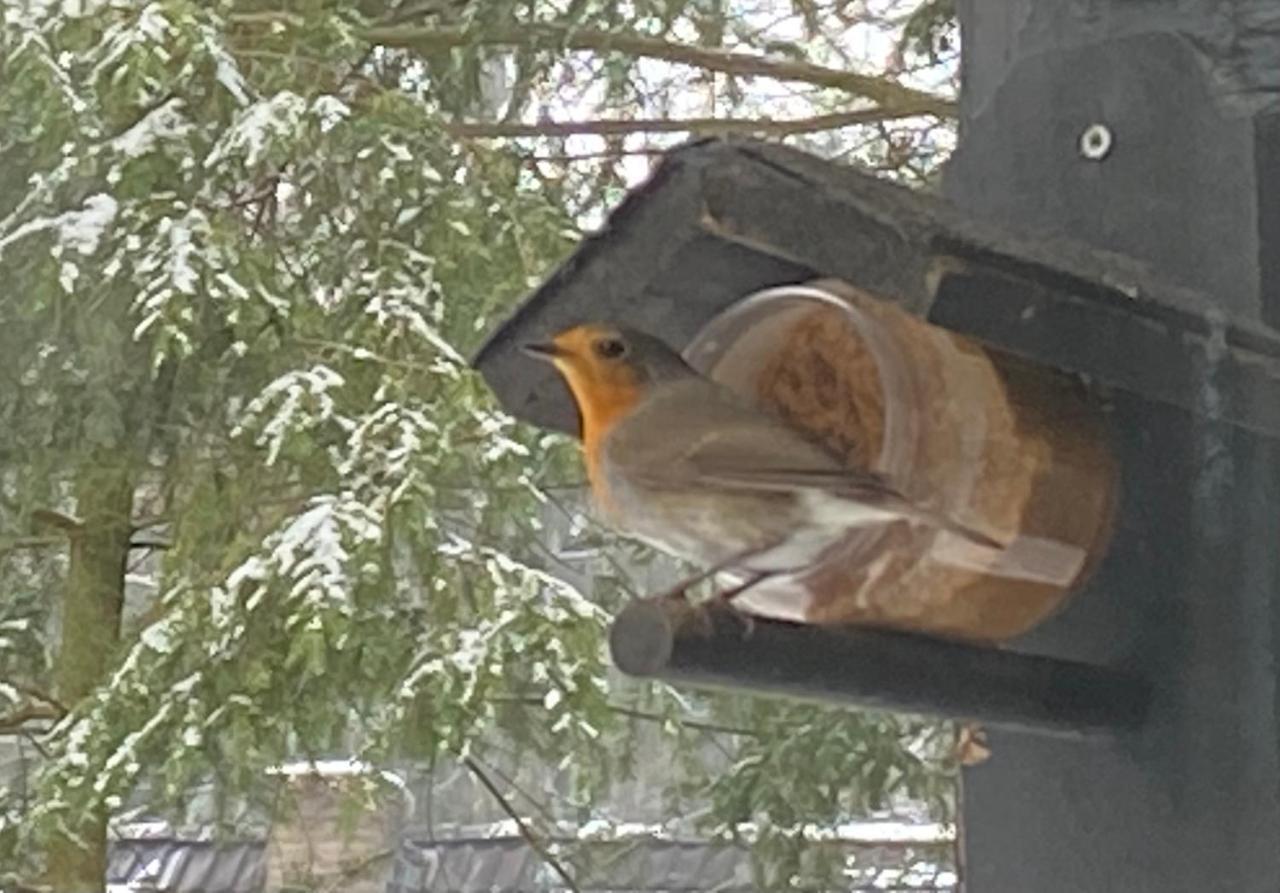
(999, 445)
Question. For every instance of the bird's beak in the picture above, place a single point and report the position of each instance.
(543, 350)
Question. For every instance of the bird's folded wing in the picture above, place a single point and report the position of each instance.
(863, 486)
(733, 446)
(739, 447)
(724, 462)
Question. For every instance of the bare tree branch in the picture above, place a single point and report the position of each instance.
(762, 126)
(45, 519)
(15, 721)
(884, 91)
(41, 706)
(529, 837)
(36, 694)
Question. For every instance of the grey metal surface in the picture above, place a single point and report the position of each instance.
(1238, 41)
(1191, 91)
(1188, 593)
(1180, 170)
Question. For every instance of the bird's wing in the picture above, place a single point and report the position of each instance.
(724, 441)
(847, 483)
(736, 461)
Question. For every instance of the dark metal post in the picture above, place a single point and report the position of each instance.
(1188, 95)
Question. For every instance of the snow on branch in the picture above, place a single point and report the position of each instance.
(80, 230)
(301, 401)
(257, 127)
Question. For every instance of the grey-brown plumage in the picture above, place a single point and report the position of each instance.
(690, 466)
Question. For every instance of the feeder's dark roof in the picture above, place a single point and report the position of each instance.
(722, 218)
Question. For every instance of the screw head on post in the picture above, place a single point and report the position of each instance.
(1095, 142)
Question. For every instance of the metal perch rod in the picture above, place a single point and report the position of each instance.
(714, 646)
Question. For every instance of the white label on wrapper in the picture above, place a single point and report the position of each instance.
(1030, 558)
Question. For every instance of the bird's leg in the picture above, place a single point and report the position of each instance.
(689, 582)
(727, 596)
(684, 585)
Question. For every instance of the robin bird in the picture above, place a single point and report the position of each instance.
(689, 466)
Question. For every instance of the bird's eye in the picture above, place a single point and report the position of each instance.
(610, 348)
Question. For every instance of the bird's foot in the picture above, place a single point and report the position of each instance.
(728, 598)
(747, 620)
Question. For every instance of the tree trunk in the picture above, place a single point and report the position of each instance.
(91, 612)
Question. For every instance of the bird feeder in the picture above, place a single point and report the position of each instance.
(1108, 256)
(717, 255)
(978, 436)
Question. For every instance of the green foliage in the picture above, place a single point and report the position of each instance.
(930, 30)
(244, 257)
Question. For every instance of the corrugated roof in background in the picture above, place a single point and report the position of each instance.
(650, 865)
(184, 866)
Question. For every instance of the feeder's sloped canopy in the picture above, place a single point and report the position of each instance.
(722, 218)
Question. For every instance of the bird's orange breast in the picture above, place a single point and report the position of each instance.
(602, 407)
(605, 391)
